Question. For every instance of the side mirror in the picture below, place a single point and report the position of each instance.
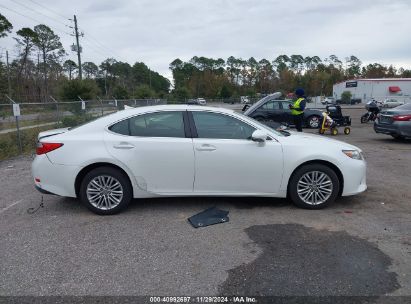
(259, 136)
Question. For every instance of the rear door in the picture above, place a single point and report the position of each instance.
(228, 162)
(156, 147)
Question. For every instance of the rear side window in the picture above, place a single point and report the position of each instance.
(160, 124)
(121, 127)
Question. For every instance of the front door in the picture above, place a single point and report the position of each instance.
(228, 162)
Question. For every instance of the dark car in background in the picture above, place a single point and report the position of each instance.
(395, 122)
(272, 109)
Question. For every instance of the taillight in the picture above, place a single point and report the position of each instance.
(43, 147)
(402, 117)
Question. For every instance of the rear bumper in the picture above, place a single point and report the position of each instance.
(42, 190)
(53, 178)
(402, 128)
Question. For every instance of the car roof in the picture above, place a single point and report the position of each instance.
(128, 112)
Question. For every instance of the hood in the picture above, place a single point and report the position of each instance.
(262, 101)
(52, 132)
(317, 140)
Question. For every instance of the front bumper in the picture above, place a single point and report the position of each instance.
(355, 177)
(401, 128)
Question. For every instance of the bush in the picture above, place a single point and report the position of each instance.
(120, 93)
(87, 89)
(144, 91)
(75, 120)
(346, 97)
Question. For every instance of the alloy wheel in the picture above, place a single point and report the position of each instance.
(314, 187)
(104, 192)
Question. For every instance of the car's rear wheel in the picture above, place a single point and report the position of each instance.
(314, 121)
(313, 186)
(105, 190)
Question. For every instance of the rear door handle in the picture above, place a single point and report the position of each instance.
(124, 145)
(206, 147)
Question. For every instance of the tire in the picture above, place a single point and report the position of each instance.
(347, 130)
(364, 118)
(397, 137)
(104, 201)
(314, 121)
(325, 198)
(334, 131)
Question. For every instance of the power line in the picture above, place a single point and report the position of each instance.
(38, 12)
(28, 17)
(102, 45)
(49, 9)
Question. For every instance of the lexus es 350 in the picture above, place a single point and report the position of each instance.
(186, 150)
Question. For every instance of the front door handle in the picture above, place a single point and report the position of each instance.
(206, 147)
(124, 145)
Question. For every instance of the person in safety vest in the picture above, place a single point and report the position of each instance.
(297, 109)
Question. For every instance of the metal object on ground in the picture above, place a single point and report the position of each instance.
(210, 216)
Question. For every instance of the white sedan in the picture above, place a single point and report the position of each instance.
(392, 103)
(184, 150)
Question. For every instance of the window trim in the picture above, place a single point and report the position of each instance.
(187, 133)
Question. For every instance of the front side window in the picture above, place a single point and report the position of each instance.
(159, 124)
(220, 126)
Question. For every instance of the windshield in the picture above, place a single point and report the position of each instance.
(262, 125)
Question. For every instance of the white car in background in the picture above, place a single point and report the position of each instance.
(391, 103)
(328, 101)
(185, 150)
(201, 101)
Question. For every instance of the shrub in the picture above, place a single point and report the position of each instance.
(86, 89)
(346, 97)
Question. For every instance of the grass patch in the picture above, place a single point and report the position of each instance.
(9, 144)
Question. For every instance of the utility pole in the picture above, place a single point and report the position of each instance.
(8, 72)
(78, 48)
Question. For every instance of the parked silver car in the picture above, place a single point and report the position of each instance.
(395, 122)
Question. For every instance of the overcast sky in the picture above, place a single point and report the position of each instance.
(158, 31)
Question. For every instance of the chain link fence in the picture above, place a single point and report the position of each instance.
(18, 134)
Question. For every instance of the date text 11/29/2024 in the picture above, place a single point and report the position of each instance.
(232, 299)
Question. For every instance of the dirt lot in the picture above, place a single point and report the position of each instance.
(359, 246)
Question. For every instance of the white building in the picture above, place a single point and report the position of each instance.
(379, 89)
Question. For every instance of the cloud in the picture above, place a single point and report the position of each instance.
(158, 31)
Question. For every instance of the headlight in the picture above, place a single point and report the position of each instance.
(354, 154)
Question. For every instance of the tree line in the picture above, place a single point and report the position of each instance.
(40, 69)
(208, 77)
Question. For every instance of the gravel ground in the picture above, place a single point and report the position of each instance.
(361, 245)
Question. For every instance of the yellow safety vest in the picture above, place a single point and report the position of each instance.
(297, 105)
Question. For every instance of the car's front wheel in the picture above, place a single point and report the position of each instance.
(105, 190)
(313, 186)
